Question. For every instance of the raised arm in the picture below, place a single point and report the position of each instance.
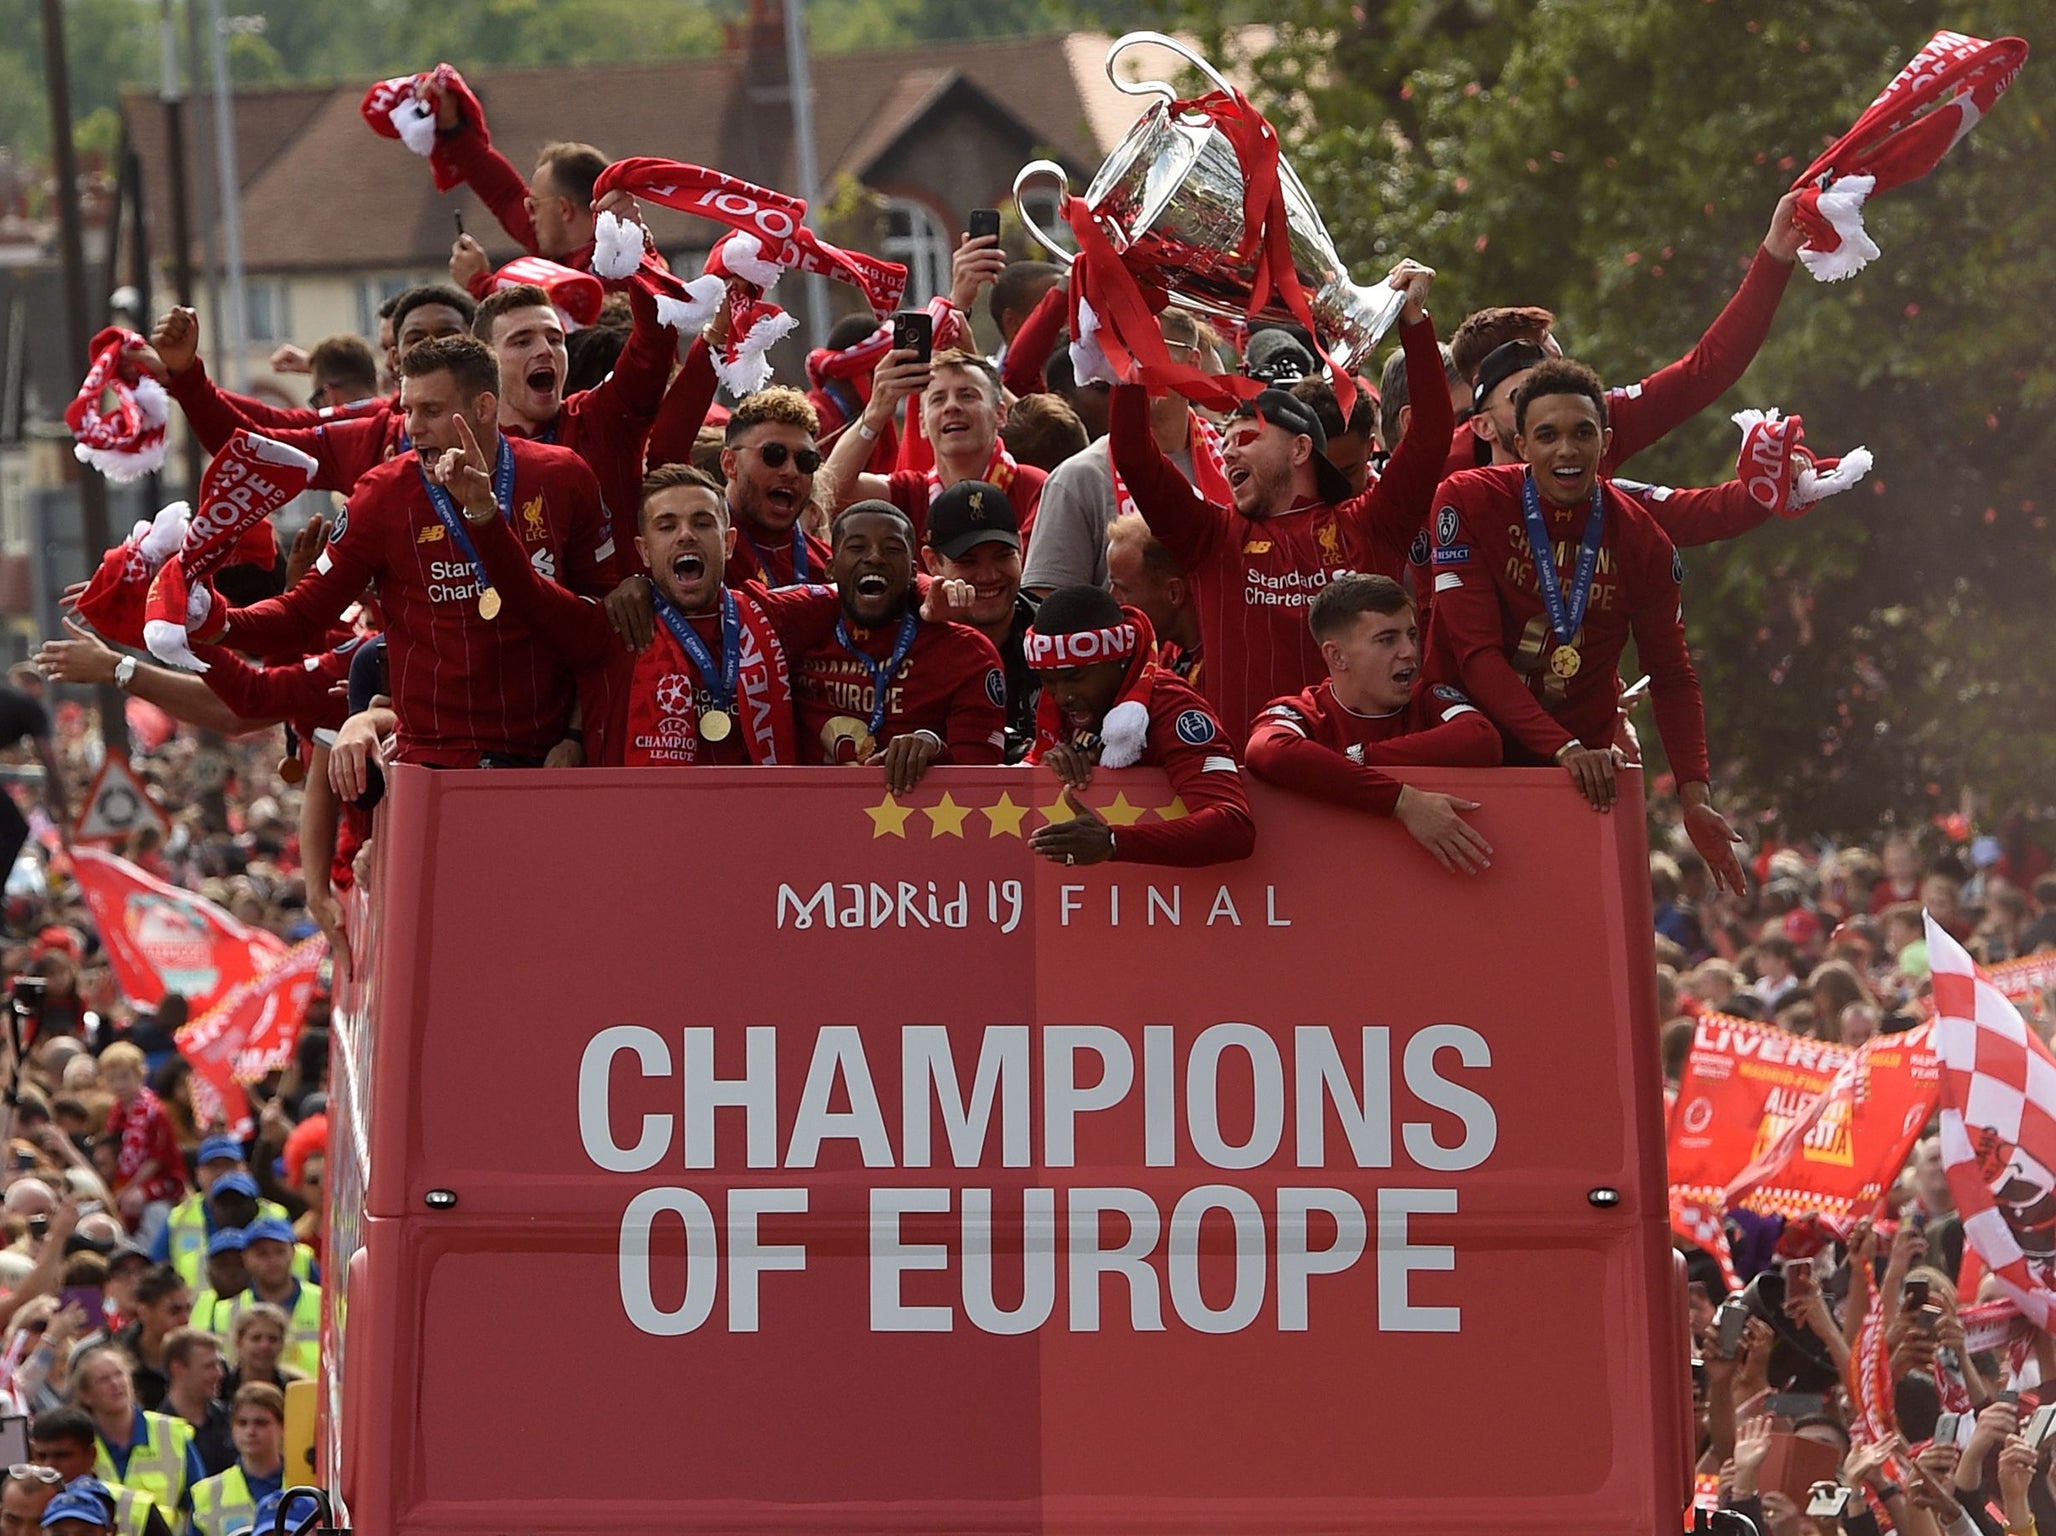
(88, 660)
(1182, 519)
(1674, 395)
(899, 376)
(1692, 516)
(467, 148)
(1029, 352)
(1393, 510)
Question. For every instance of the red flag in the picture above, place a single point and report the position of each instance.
(162, 939)
(252, 1031)
(1742, 1084)
(1998, 1126)
(1839, 1154)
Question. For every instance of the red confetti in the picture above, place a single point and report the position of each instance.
(1804, 46)
(1473, 88)
(1463, 183)
(1668, 253)
(1991, 514)
(1708, 210)
(1534, 166)
(1762, 158)
(1556, 155)
(1785, 162)
(1478, 244)
(1656, 271)
(1755, 26)
(1631, 258)
(1406, 91)
(1570, 82)
(1912, 310)
(1992, 422)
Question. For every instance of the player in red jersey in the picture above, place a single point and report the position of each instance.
(961, 409)
(604, 425)
(1293, 525)
(550, 214)
(713, 687)
(1375, 712)
(471, 687)
(888, 687)
(1640, 414)
(1542, 574)
(347, 447)
(1107, 704)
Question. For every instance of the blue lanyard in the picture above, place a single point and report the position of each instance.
(882, 673)
(446, 509)
(1564, 619)
(721, 680)
(802, 571)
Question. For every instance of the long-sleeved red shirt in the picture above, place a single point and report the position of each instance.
(463, 685)
(1188, 743)
(608, 424)
(1029, 352)
(1493, 636)
(1645, 413)
(1314, 744)
(300, 693)
(345, 449)
(1252, 578)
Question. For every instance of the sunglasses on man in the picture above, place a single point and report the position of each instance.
(805, 460)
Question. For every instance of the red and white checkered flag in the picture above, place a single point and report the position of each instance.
(1998, 1127)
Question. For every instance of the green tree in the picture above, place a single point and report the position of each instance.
(1618, 162)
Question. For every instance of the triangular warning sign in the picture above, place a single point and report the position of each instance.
(117, 805)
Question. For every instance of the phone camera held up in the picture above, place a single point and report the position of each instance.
(983, 221)
(913, 330)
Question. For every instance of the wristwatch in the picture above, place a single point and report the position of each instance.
(124, 672)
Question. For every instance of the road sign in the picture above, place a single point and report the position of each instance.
(118, 805)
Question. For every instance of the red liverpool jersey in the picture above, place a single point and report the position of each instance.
(1493, 637)
(950, 683)
(464, 686)
(1314, 744)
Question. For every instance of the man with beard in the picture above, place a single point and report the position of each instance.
(961, 410)
(604, 425)
(769, 460)
(1373, 712)
(1107, 704)
(471, 690)
(1540, 652)
(974, 537)
(1291, 523)
(345, 446)
(887, 687)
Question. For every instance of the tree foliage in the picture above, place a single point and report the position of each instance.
(1618, 162)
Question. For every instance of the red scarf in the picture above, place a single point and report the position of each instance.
(1000, 470)
(119, 413)
(395, 110)
(1934, 101)
(1209, 471)
(1137, 684)
(663, 699)
(773, 217)
(145, 1134)
(251, 478)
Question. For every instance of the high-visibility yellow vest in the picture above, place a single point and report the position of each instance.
(187, 1232)
(303, 1329)
(156, 1467)
(222, 1503)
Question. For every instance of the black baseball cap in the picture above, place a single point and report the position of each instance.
(1501, 364)
(1281, 408)
(1277, 357)
(970, 513)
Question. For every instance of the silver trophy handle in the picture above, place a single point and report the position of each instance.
(1158, 87)
(1030, 172)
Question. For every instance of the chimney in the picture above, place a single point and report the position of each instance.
(756, 141)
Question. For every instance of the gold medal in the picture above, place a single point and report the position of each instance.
(1564, 661)
(489, 604)
(715, 724)
(291, 770)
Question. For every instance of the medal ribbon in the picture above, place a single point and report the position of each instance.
(447, 514)
(882, 673)
(1564, 619)
(722, 681)
(802, 571)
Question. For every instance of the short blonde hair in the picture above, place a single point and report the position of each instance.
(781, 404)
(124, 1054)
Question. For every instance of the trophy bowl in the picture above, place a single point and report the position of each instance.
(1169, 200)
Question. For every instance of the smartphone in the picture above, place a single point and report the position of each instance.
(1729, 1321)
(1945, 1428)
(913, 330)
(87, 1299)
(39, 1227)
(458, 215)
(24, 1160)
(1914, 1296)
(2041, 1426)
(2009, 1397)
(1799, 1277)
(1828, 1499)
(1793, 1405)
(1930, 1316)
(983, 221)
(14, 1439)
